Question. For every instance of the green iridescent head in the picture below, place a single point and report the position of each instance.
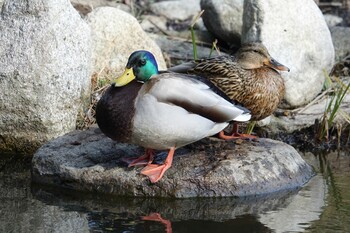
(141, 66)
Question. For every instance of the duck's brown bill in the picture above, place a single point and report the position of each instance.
(276, 65)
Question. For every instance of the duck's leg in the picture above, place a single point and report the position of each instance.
(235, 134)
(145, 159)
(155, 171)
(157, 217)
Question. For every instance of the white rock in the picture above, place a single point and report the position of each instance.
(223, 18)
(180, 10)
(116, 34)
(296, 35)
(44, 71)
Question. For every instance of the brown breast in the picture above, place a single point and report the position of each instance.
(115, 111)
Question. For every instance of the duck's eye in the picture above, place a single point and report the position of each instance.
(142, 62)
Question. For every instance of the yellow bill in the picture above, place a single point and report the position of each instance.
(125, 78)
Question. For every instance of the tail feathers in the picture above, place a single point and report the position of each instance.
(243, 117)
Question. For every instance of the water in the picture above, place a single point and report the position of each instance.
(323, 205)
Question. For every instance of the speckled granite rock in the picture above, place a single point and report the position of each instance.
(115, 35)
(176, 10)
(87, 160)
(223, 18)
(44, 72)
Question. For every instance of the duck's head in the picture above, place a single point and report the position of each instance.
(141, 66)
(255, 55)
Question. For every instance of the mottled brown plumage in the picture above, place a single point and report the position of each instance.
(250, 78)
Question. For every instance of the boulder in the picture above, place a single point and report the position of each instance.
(179, 51)
(296, 34)
(115, 35)
(89, 161)
(223, 18)
(44, 72)
(176, 10)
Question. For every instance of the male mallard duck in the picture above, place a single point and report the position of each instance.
(162, 111)
(250, 78)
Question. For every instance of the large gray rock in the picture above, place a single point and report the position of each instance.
(296, 35)
(87, 160)
(116, 34)
(223, 18)
(179, 51)
(176, 10)
(44, 72)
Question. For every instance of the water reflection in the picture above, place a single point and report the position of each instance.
(260, 214)
(304, 208)
(334, 166)
(26, 207)
(20, 212)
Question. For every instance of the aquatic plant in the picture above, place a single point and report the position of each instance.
(338, 90)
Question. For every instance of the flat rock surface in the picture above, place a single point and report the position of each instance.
(89, 161)
(306, 116)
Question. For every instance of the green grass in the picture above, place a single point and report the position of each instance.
(250, 127)
(332, 109)
(213, 47)
(194, 44)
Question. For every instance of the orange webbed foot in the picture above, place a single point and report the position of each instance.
(235, 134)
(222, 135)
(145, 159)
(156, 171)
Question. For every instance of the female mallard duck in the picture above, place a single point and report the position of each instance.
(162, 111)
(250, 78)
